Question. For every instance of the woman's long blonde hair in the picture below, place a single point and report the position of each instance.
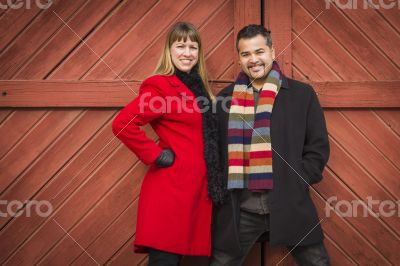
(182, 31)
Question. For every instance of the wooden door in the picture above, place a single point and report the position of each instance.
(67, 69)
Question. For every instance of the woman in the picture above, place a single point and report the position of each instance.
(174, 213)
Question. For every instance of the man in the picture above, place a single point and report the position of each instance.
(274, 145)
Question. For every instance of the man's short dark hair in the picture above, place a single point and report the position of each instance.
(251, 31)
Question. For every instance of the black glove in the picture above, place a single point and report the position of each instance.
(165, 159)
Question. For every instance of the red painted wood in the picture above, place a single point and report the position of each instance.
(14, 21)
(391, 118)
(4, 114)
(54, 50)
(344, 234)
(377, 132)
(109, 93)
(359, 181)
(220, 57)
(16, 126)
(199, 14)
(317, 49)
(362, 163)
(103, 216)
(245, 12)
(354, 42)
(367, 19)
(119, 23)
(133, 43)
(38, 33)
(118, 93)
(371, 228)
(278, 19)
(75, 208)
(42, 135)
(64, 183)
(358, 146)
(311, 64)
(18, 224)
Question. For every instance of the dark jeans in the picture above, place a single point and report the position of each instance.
(252, 226)
(162, 258)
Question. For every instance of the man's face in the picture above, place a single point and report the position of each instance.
(255, 57)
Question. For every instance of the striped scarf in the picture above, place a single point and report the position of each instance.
(249, 140)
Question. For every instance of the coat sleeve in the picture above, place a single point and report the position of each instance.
(146, 107)
(316, 146)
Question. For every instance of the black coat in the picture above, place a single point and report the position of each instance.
(299, 137)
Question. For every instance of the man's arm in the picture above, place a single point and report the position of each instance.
(316, 146)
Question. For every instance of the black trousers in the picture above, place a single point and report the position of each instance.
(162, 258)
(252, 226)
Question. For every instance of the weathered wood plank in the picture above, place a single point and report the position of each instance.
(364, 94)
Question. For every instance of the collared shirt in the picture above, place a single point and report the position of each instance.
(255, 202)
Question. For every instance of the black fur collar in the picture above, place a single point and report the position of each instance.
(216, 184)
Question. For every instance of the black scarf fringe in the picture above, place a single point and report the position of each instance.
(216, 183)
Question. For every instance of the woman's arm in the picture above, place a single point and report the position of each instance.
(146, 107)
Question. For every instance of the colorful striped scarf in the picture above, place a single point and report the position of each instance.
(249, 140)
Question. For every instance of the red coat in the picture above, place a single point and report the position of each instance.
(174, 212)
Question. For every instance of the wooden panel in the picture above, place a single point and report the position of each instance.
(377, 132)
(4, 114)
(370, 227)
(364, 162)
(143, 65)
(359, 94)
(354, 42)
(75, 208)
(245, 12)
(116, 235)
(102, 39)
(53, 158)
(220, 58)
(38, 32)
(68, 93)
(144, 32)
(16, 126)
(65, 40)
(14, 21)
(42, 135)
(65, 182)
(102, 218)
(355, 177)
(317, 49)
(365, 19)
(345, 235)
(119, 93)
(82, 180)
(391, 117)
(278, 19)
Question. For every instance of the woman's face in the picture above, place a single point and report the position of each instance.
(185, 55)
